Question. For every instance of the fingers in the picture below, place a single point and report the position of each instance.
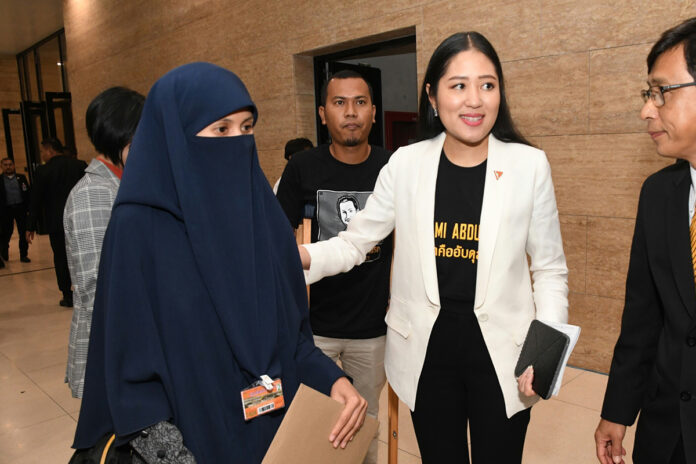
(608, 454)
(353, 415)
(603, 454)
(524, 382)
(603, 444)
(345, 424)
(608, 438)
(341, 423)
(356, 421)
(616, 450)
(351, 419)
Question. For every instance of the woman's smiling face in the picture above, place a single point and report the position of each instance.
(468, 97)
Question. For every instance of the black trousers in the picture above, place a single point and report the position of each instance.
(458, 386)
(60, 261)
(14, 214)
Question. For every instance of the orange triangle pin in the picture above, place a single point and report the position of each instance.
(498, 174)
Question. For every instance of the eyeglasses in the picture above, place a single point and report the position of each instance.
(656, 93)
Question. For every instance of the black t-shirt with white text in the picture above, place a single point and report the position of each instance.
(353, 304)
(458, 200)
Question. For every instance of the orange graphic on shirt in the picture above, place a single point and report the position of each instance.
(459, 231)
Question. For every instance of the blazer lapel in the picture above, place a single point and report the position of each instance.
(679, 240)
(494, 192)
(425, 214)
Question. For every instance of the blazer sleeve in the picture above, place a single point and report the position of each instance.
(365, 230)
(641, 324)
(36, 199)
(545, 248)
(85, 218)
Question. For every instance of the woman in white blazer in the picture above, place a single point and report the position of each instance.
(474, 212)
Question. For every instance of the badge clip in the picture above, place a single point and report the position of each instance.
(267, 382)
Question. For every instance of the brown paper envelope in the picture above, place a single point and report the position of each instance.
(303, 436)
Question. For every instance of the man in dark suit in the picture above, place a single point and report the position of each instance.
(14, 201)
(52, 184)
(654, 366)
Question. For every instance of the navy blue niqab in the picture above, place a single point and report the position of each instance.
(200, 290)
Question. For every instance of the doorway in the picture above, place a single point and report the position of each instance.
(45, 107)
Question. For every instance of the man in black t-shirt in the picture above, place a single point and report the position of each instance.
(346, 311)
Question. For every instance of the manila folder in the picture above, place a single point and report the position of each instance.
(303, 436)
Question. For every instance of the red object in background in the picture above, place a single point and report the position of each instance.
(400, 128)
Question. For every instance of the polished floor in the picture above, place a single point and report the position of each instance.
(38, 415)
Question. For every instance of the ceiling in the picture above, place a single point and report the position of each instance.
(25, 22)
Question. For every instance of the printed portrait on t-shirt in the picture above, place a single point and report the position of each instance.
(335, 209)
(347, 206)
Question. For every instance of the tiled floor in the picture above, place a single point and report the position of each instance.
(38, 415)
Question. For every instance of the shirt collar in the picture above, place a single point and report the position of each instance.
(118, 172)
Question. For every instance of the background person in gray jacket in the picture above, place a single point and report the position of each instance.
(111, 121)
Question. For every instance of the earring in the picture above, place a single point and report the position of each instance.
(435, 110)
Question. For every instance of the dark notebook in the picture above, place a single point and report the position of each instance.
(544, 349)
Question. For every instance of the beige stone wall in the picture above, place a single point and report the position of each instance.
(574, 71)
(10, 96)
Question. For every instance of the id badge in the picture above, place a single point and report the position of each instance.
(258, 400)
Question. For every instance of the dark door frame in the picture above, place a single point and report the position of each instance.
(6, 112)
(32, 139)
(61, 101)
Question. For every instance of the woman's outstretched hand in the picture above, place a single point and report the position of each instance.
(305, 258)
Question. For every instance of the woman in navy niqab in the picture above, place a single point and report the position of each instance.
(200, 287)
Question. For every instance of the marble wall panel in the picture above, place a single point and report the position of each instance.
(305, 117)
(272, 162)
(280, 22)
(601, 175)
(549, 96)
(574, 233)
(384, 7)
(600, 320)
(617, 75)
(345, 35)
(571, 26)
(608, 253)
(511, 26)
(266, 72)
(276, 124)
(303, 74)
(107, 26)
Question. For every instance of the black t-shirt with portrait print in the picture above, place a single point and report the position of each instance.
(352, 304)
(458, 200)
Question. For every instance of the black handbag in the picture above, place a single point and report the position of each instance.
(160, 443)
(105, 452)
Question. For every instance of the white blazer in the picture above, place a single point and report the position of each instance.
(518, 218)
